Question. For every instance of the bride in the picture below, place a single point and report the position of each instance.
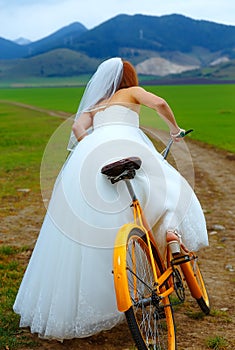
(67, 290)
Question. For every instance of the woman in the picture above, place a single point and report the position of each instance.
(67, 290)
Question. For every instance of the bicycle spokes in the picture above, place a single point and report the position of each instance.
(150, 310)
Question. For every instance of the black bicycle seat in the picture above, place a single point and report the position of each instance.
(124, 165)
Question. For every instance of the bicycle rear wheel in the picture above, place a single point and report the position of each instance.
(196, 284)
(150, 318)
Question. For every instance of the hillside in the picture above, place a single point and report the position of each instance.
(10, 49)
(59, 62)
(158, 46)
(221, 71)
(138, 36)
(161, 67)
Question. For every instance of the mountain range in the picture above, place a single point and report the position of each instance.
(159, 46)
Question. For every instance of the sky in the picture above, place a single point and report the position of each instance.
(36, 19)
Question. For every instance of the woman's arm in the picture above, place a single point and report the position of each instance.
(81, 125)
(148, 99)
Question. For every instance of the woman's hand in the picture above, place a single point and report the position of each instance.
(81, 125)
(177, 136)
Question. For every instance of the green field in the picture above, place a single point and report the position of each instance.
(24, 133)
(23, 137)
(35, 82)
(208, 109)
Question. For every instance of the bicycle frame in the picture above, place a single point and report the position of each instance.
(168, 268)
(119, 271)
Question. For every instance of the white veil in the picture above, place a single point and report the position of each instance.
(101, 86)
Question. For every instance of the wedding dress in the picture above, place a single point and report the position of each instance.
(67, 290)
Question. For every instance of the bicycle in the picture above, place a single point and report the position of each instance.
(144, 281)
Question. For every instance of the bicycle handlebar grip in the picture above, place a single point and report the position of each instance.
(185, 133)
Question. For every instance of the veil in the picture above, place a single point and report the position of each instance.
(102, 85)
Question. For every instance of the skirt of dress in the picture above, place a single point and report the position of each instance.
(67, 290)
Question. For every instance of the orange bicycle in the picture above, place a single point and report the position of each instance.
(144, 280)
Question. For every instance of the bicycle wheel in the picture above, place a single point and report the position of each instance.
(196, 284)
(150, 319)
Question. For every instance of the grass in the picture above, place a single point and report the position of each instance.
(219, 316)
(217, 343)
(58, 99)
(23, 137)
(31, 82)
(195, 315)
(11, 270)
(208, 109)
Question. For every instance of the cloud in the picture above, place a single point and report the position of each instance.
(35, 19)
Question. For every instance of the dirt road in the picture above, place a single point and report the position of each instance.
(215, 187)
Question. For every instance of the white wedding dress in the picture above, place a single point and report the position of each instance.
(67, 290)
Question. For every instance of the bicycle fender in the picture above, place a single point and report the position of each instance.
(119, 268)
(191, 280)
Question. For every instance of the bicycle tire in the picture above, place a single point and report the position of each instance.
(204, 301)
(150, 320)
(196, 284)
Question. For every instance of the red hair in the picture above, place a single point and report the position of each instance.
(129, 76)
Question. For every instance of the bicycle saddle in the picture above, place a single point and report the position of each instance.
(124, 168)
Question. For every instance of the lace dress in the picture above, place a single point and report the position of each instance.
(67, 290)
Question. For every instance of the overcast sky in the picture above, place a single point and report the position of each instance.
(35, 19)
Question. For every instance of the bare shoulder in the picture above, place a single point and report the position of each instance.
(133, 92)
(136, 89)
(144, 97)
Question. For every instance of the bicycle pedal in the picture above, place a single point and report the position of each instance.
(180, 259)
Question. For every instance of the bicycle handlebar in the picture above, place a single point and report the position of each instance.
(170, 142)
(186, 132)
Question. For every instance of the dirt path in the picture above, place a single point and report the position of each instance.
(215, 187)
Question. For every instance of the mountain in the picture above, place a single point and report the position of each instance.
(159, 46)
(138, 36)
(22, 41)
(9, 49)
(62, 38)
